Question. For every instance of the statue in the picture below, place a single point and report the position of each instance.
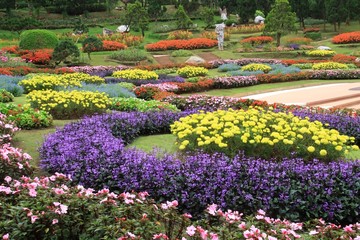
(219, 30)
(223, 13)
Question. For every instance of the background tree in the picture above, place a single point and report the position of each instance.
(8, 5)
(91, 44)
(137, 17)
(335, 12)
(301, 8)
(182, 19)
(280, 19)
(155, 9)
(64, 50)
(207, 15)
(245, 8)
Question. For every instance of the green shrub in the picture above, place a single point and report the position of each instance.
(181, 53)
(140, 105)
(129, 54)
(64, 50)
(92, 44)
(127, 85)
(314, 35)
(6, 96)
(37, 39)
(18, 24)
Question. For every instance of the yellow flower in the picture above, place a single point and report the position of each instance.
(311, 149)
(323, 152)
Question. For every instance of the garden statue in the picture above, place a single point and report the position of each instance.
(219, 30)
(259, 20)
(223, 13)
(123, 28)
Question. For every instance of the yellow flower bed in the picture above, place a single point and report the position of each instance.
(252, 67)
(320, 53)
(68, 105)
(191, 71)
(48, 81)
(260, 133)
(137, 74)
(329, 65)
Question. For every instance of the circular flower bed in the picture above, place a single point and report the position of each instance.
(190, 71)
(136, 74)
(256, 67)
(329, 65)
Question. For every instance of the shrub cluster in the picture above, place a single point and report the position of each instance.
(329, 65)
(349, 37)
(140, 105)
(39, 56)
(194, 43)
(290, 188)
(69, 105)
(246, 29)
(257, 40)
(112, 45)
(180, 34)
(192, 71)
(10, 84)
(6, 96)
(26, 117)
(37, 39)
(135, 74)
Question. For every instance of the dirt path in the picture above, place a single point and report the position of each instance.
(208, 56)
(163, 59)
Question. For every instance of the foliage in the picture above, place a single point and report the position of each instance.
(136, 74)
(38, 56)
(91, 44)
(349, 37)
(37, 39)
(228, 67)
(10, 84)
(297, 190)
(5, 96)
(259, 13)
(181, 53)
(137, 17)
(26, 117)
(207, 15)
(320, 53)
(280, 19)
(19, 23)
(299, 40)
(68, 105)
(112, 90)
(127, 85)
(329, 65)
(80, 27)
(257, 40)
(256, 67)
(129, 54)
(190, 71)
(182, 19)
(7, 131)
(316, 36)
(193, 43)
(139, 105)
(64, 50)
(180, 34)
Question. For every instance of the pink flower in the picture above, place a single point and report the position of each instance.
(272, 238)
(34, 218)
(56, 204)
(160, 236)
(55, 221)
(349, 229)
(242, 226)
(58, 191)
(187, 215)
(313, 232)
(190, 230)
(32, 193)
(357, 238)
(212, 209)
(214, 236)
(63, 208)
(8, 179)
(5, 237)
(261, 212)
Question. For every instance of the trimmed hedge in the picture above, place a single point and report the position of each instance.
(37, 39)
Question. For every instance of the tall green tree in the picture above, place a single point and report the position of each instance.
(301, 9)
(155, 9)
(8, 5)
(335, 12)
(207, 15)
(244, 8)
(137, 17)
(182, 19)
(280, 19)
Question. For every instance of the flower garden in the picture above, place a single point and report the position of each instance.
(242, 168)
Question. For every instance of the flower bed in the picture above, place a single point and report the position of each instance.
(41, 56)
(6, 96)
(256, 67)
(22, 70)
(257, 40)
(329, 66)
(100, 71)
(135, 74)
(7, 129)
(283, 188)
(191, 71)
(180, 34)
(246, 28)
(194, 43)
(320, 53)
(68, 105)
(349, 37)
(236, 81)
(140, 105)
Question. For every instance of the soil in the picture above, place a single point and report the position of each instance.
(165, 59)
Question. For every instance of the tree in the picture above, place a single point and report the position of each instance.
(280, 19)
(207, 15)
(91, 44)
(155, 9)
(301, 9)
(335, 12)
(137, 17)
(182, 19)
(8, 5)
(64, 50)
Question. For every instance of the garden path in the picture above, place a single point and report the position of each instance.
(208, 56)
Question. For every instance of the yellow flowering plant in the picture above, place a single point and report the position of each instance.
(320, 53)
(252, 67)
(260, 133)
(329, 66)
(82, 77)
(136, 74)
(69, 105)
(192, 71)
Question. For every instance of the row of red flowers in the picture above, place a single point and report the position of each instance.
(349, 37)
(257, 40)
(194, 43)
(23, 70)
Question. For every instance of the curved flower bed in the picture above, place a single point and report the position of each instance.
(349, 37)
(194, 43)
(92, 152)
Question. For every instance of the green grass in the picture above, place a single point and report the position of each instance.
(148, 143)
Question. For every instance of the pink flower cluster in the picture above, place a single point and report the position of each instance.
(7, 129)
(164, 87)
(235, 81)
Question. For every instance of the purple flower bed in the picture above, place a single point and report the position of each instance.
(92, 152)
(100, 71)
(163, 78)
(235, 81)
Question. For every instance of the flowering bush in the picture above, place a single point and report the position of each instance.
(281, 188)
(257, 40)
(236, 81)
(68, 105)
(342, 58)
(40, 56)
(6, 96)
(10, 49)
(191, 71)
(180, 34)
(349, 37)
(260, 133)
(112, 45)
(26, 117)
(81, 78)
(146, 93)
(24, 70)
(256, 67)
(194, 43)
(136, 74)
(212, 35)
(246, 28)
(329, 65)
(140, 105)
(7, 129)
(299, 40)
(125, 38)
(320, 53)
(13, 164)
